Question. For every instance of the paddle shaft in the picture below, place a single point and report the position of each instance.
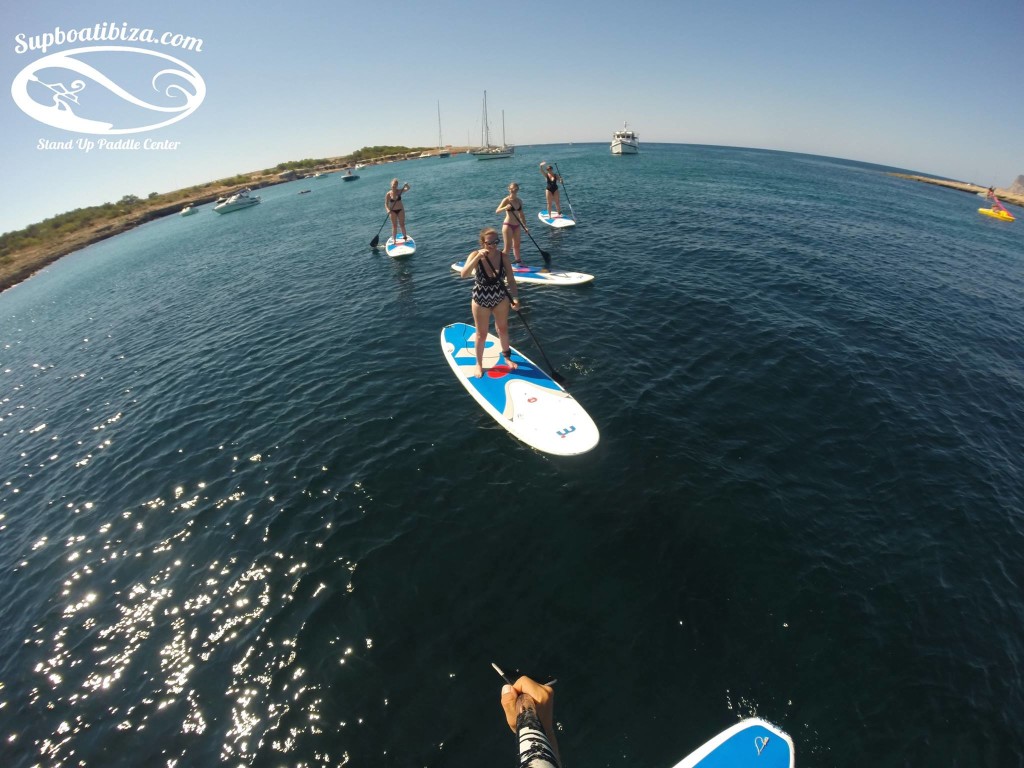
(543, 254)
(564, 189)
(376, 238)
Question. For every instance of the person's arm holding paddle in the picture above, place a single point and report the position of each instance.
(530, 712)
(471, 262)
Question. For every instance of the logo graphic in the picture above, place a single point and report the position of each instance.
(66, 91)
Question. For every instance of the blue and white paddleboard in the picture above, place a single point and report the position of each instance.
(527, 402)
(557, 221)
(400, 246)
(751, 743)
(526, 274)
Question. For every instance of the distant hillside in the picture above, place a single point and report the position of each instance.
(28, 250)
(1017, 187)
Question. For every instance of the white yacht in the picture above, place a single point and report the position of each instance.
(188, 210)
(237, 201)
(625, 142)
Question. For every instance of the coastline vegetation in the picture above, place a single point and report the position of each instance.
(26, 251)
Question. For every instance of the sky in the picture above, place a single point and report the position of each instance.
(926, 86)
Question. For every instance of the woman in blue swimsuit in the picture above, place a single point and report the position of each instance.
(512, 207)
(490, 294)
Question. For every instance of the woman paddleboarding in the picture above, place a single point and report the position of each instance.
(511, 228)
(491, 294)
(395, 208)
(551, 180)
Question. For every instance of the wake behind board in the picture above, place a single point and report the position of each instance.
(557, 221)
(751, 743)
(400, 246)
(527, 402)
(525, 274)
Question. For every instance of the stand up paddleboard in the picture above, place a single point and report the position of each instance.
(751, 743)
(400, 246)
(557, 221)
(525, 274)
(527, 402)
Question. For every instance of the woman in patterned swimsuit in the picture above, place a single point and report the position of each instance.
(512, 207)
(492, 270)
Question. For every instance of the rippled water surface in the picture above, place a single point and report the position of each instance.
(248, 516)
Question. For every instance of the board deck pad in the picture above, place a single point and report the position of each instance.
(750, 743)
(400, 246)
(558, 221)
(529, 274)
(526, 401)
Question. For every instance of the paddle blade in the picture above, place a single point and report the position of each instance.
(547, 258)
(376, 239)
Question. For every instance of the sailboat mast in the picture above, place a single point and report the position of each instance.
(486, 129)
(439, 145)
(503, 142)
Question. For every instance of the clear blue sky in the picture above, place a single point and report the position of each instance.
(929, 86)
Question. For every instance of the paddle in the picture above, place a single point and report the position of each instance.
(543, 254)
(538, 747)
(554, 374)
(566, 192)
(376, 238)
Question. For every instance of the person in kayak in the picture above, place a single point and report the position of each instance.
(530, 712)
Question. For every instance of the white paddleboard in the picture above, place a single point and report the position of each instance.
(529, 274)
(751, 743)
(557, 221)
(400, 246)
(527, 402)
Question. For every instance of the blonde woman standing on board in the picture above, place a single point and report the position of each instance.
(396, 208)
(511, 228)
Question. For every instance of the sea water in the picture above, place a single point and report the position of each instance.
(248, 516)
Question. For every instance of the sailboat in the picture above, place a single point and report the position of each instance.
(441, 151)
(487, 151)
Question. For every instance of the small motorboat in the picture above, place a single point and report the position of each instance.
(189, 209)
(349, 176)
(237, 201)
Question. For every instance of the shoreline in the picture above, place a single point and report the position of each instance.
(26, 262)
(1004, 195)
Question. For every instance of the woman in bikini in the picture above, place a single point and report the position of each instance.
(512, 207)
(393, 205)
(491, 295)
(551, 190)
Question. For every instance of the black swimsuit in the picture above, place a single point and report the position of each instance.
(396, 199)
(489, 291)
(552, 182)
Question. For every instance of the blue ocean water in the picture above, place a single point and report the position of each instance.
(249, 516)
